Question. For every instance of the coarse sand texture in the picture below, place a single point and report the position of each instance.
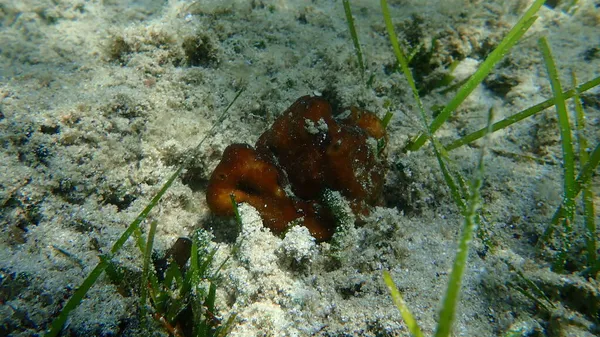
(114, 115)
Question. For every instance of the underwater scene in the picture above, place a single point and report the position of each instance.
(297, 168)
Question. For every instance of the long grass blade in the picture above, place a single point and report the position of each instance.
(400, 55)
(437, 148)
(455, 190)
(568, 155)
(408, 318)
(521, 115)
(529, 295)
(386, 119)
(74, 301)
(515, 34)
(587, 195)
(226, 328)
(531, 291)
(582, 179)
(357, 49)
(473, 205)
(193, 275)
(146, 269)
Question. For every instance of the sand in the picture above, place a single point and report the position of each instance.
(100, 101)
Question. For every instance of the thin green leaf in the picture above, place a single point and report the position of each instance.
(582, 179)
(529, 295)
(203, 329)
(473, 205)
(438, 149)
(210, 299)
(408, 318)
(530, 285)
(226, 328)
(139, 239)
(157, 296)
(353, 34)
(386, 119)
(401, 57)
(521, 115)
(176, 306)
(203, 270)
(74, 301)
(568, 156)
(146, 268)
(515, 34)
(192, 276)
(535, 288)
(454, 284)
(194, 259)
(173, 277)
(587, 196)
(454, 189)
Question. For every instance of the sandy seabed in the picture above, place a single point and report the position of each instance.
(100, 101)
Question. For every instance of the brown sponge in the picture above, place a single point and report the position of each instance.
(306, 151)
